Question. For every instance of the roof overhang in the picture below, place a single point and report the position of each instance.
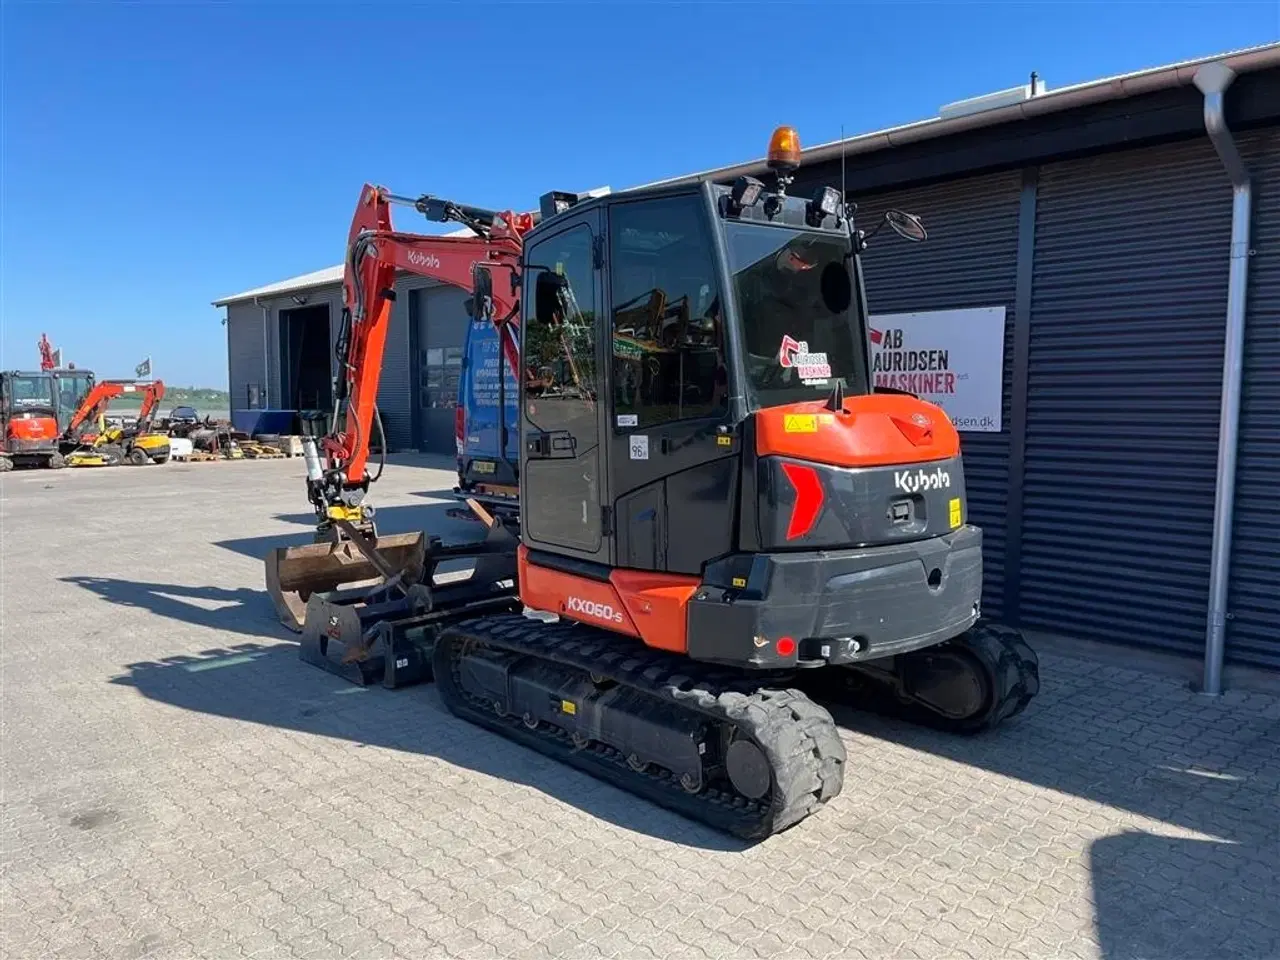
(1073, 97)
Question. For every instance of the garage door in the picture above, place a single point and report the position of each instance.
(1253, 632)
(969, 260)
(1130, 284)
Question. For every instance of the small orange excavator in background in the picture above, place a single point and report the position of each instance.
(705, 532)
(29, 420)
(91, 443)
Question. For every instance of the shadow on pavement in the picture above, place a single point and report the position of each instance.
(1160, 753)
(1183, 899)
(241, 610)
(268, 685)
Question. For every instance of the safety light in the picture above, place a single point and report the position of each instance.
(784, 150)
(745, 193)
(825, 203)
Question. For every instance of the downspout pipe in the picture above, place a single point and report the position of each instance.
(266, 353)
(1212, 80)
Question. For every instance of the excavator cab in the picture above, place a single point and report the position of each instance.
(713, 470)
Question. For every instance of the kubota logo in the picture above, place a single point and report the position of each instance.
(918, 481)
(419, 259)
(601, 611)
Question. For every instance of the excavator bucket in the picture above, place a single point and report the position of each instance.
(295, 573)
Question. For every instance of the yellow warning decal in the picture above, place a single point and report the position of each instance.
(800, 423)
(955, 512)
(724, 441)
(569, 707)
(739, 581)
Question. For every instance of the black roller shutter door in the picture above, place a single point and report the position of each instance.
(969, 260)
(1253, 632)
(1128, 307)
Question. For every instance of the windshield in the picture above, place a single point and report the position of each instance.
(72, 389)
(795, 298)
(32, 391)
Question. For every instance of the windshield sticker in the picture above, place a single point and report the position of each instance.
(813, 368)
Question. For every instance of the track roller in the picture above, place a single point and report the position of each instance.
(969, 684)
(711, 744)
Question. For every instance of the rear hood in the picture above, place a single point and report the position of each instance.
(33, 425)
(867, 431)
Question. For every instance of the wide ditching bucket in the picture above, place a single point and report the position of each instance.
(295, 573)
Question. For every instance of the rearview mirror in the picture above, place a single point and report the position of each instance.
(482, 293)
(906, 225)
(548, 306)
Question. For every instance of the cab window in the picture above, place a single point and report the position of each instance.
(668, 357)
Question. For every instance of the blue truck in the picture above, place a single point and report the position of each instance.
(486, 472)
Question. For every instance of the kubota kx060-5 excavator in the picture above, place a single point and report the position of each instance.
(714, 502)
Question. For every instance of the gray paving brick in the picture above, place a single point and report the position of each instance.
(178, 785)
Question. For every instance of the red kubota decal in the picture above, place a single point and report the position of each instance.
(804, 513)
(812, 367)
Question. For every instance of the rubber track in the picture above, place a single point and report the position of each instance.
(1013, 664)
(1012, 671)
(798, 736)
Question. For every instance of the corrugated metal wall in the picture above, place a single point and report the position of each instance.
(245, 361)
(1128, 306)
(1253, 632)
(969, 260)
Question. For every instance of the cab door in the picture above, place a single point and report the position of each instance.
(562, 473)
(675, 452)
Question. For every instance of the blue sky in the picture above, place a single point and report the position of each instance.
(157, 156)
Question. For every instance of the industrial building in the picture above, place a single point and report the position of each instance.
(1115, 246)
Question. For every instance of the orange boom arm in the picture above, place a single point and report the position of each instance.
(375, 252)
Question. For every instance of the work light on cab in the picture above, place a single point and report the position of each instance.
(825, 203)
(745, 192)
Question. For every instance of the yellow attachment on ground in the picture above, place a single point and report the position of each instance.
(87, 460)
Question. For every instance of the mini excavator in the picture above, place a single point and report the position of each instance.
(89, 442)
(711, 514)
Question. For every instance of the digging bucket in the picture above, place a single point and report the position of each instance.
(294, 573)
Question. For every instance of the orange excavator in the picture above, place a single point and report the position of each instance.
(89, 442)
(711, 543)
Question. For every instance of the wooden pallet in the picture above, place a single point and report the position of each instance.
(260, 451)
(204, 456)
(286, 445)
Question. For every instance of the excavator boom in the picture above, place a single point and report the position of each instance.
(337, 464)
